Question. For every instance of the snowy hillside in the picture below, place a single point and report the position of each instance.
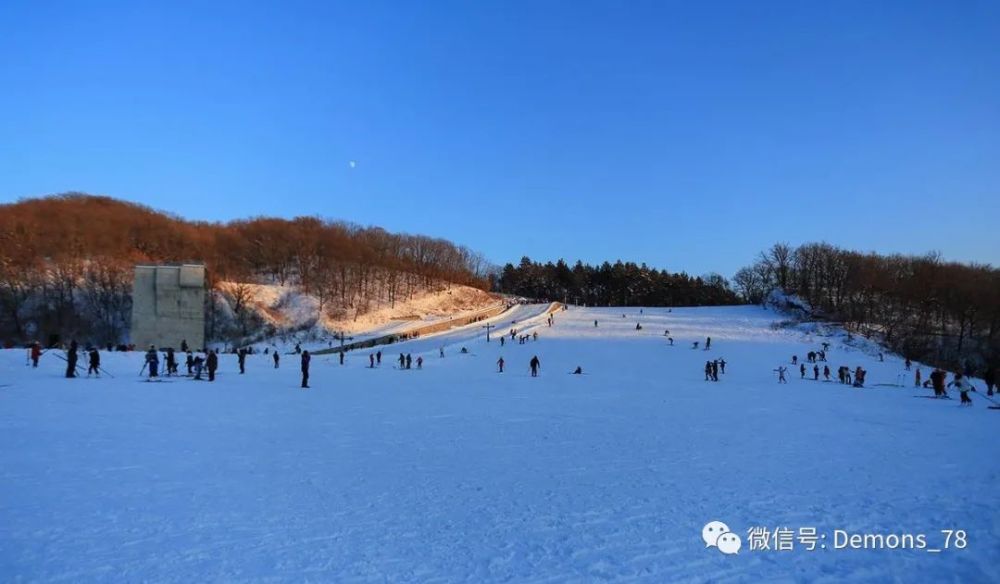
(456, 473)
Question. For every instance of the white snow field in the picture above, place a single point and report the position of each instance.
(456, 473)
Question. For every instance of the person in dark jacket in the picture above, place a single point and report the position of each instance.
(71, 358)
(535, 364)
(990, 379)
(95, 363)
(212, 363)
(306, 357)
(171, 362)
(276, 359)
(189, 361)
(152, 361)
(36, 353)
(241, 356)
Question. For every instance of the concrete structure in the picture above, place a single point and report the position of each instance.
(168, 306)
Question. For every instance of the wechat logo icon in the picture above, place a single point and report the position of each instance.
(717, 534)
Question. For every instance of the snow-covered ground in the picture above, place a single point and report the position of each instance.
(456, 473)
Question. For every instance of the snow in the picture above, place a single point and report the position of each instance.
(456, 473)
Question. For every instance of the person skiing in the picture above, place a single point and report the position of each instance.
(708, 370)
(441, 349)
(534, 336)
(802, 370)
(171, 362)
(595, 324)
(189, 362)
(71, 358)
(409, 360)
(371, 360)
(578, 370)
(708, 343)
(198, 364)
(502, 339)
(694, 345)
(990, 379)
(212, 363)
(152, 361)
(95, 363)
(715, 370)
(420, 362)
(638, 327)
(908, 363)
(781, 374)
(298, 349)
(241, 356)
(826, 372)
(306, 357)
(535, 364)
(961, 383)
(402, 361)
(378, 358)
(859, 376)
(722, 365)
(671, 339)
(276, 358)
(36, 353)
(184, 346)
(500, 362)
(916, 378)
(795, 359)
(937, 381)
(815, 372)
(341, 357)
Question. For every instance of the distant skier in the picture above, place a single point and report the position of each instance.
(409, 360)
(638, 327)
(694, 345)
(298, 349)
(341, 356)
(990, 379)
(184, 346)
(212, 363)
(671, 339)
(578, 370)
(815, 372)
(802, 370)
(826, 372)
(189, 362)
(95, 363)
(171, 362)
(908, 364)
(197, 364)
(277, 359)
(595, 324)
(722, 365)
(378, 358)
(502, 339)
(500, 363)
(306, 358)
(781, 374)
(420, 362)
(36, 353)
(916, 378)
(795, 359)
(534, 336)
(962, 384)
(71, 358)
(708, 370)
(708, 343)
(441, 350)
(371, 360)
(535, 364)
(715, 370)
(937, 382)
(859, 377)
(241, 356)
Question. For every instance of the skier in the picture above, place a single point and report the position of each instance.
(71, 358)
(595, 324)
(840, 374)
(694, 345)
(409, 360)
(534, 336)
(402, 361)
(671, 339)
(441, 350)
(638, 327)
(708, 343)
(36, 353)
(502, 340)
(95, 363)
(171, 362)
(962, 384)
(184, 346)
(781, 374)
(937, 381)
(500, 364)
(189, 361)
(420, 362)
(276, 358)
(826, 372)
(916, 378)
(859, 377)
(708, 370)
(722, 365)
(578, 370)
(795, 359)
(371, 360)
(212, 363)
(822, 356)
(908, 363)
(298, 349)
(990, 379)
(802, 370)
(341, 357)
(378, 358)
(715, 370)
(241, 356)
(197, 363)
(152, 361)
(305, 369)
(535, 364)
(815, 372)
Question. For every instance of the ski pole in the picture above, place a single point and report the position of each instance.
(143, 369)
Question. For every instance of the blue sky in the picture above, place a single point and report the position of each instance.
(688, 135)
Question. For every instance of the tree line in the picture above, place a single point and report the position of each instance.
(66, 262)
(944, 313)
(618, 284)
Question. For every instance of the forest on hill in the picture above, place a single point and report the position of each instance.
(66, 261)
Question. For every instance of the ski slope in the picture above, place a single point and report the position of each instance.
(456, 473)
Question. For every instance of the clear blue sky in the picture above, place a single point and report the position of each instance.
(688, 135)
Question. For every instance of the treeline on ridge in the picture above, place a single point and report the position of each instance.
(66, 261)
(618, 284)
(944, 313)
